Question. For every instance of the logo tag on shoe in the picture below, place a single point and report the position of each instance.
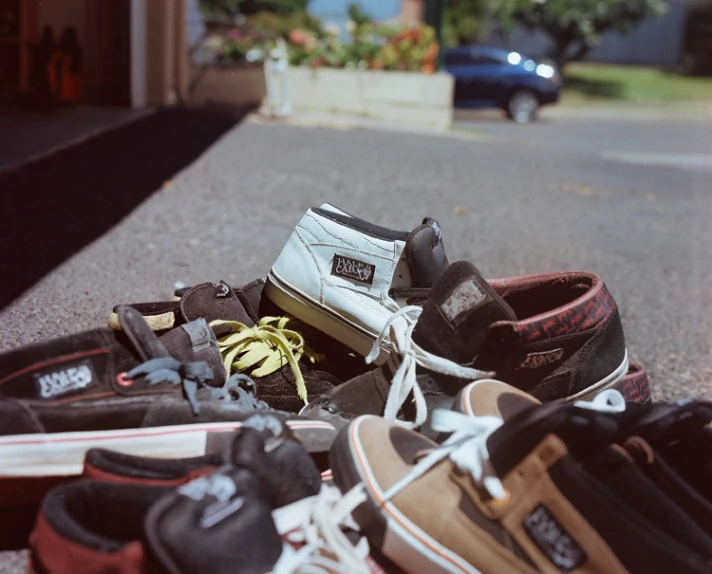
(551, 538)
(222, 290)
(465, 297)
(536, 360)
(353, 269)
(59, 382)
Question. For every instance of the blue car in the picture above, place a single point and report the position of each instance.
(497, 78)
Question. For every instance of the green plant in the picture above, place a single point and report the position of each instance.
(463, 21)
(575, 26)
(276, 24)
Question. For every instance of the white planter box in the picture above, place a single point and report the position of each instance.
(422, 99)
(405, 97)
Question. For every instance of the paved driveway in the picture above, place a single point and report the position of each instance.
(526, 199)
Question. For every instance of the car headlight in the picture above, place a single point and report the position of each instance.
(545, 71)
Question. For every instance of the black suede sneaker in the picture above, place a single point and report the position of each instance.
(128, 391)
(672, 443)
(271, 349)
(546, 490)
(555, 336)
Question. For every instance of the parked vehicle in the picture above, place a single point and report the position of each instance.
(493, 77)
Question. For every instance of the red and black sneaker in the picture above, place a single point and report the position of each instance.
(555, 336)
(218, 523)
(266, 512)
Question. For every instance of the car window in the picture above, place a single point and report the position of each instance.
(483, 60)
(458, 59)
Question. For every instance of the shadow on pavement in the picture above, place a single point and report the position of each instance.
(54, 207)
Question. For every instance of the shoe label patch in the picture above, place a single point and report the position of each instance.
(222, 290)
(465, 297)
(353, 269)
(59, 382)
(551, 538)
(536, 360)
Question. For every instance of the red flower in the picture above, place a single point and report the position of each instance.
(298, 37)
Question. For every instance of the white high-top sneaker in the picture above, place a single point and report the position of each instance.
(346, 276)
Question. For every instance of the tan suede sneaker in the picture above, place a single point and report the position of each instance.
(512, 496)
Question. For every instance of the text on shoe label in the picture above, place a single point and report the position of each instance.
(353, 269)
(536, 360)
(52, 384)
(551, 538)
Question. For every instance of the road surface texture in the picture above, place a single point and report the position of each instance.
(632, 201)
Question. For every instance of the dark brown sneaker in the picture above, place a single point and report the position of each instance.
(131, 391)
(541, 492)
(270, 349)
(554, 336)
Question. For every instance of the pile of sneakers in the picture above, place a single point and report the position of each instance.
(494, 426)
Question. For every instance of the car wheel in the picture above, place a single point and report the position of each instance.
(523, 107)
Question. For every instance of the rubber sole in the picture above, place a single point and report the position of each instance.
(303, 307)
(607, 382)
(386, 528)
(62, 454)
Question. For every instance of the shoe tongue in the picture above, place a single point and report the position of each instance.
(266, 447)
(211, 524)
(195, 341)
(425, 254)
(214, 301)
(457, 316)
(584, 431)
(144, 340)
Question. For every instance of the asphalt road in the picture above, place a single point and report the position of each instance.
(630, 200)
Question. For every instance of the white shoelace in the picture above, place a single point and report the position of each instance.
(399, 328)
(467, 446)
(315, 524)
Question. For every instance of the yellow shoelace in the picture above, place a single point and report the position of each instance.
(265, 349)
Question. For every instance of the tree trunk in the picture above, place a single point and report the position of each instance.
(563, 54)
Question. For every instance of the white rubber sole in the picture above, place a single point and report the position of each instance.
(62, 454)
(304, 308)
(405, 543)
(463, 400)
(603, 384)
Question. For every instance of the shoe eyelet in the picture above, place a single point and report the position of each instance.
(123, 381)
(504, 501)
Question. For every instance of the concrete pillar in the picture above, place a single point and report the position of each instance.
(160, 46)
